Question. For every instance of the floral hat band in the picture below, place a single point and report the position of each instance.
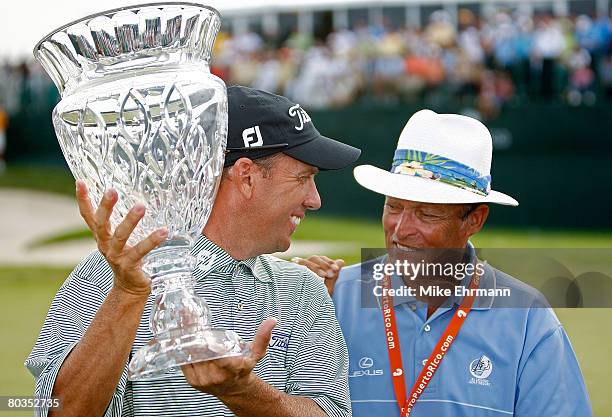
(440, 168)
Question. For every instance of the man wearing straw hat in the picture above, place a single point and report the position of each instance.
(420, 354)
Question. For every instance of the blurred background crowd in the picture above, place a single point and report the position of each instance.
(482, 60)
(488, 62)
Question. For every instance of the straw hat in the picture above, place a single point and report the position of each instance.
(440, 158)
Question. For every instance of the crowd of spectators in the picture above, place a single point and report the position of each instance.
(508, 57)
(489, 62)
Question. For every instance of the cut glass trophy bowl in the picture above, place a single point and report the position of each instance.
(141, 112)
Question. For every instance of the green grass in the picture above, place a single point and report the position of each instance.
(26, 294)
(54, 179)
(591, 342)
(66, 236)
(516, 238)
(316, 227)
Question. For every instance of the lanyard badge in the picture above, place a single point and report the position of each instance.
(406, 404)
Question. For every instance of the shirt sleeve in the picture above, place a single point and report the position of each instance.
(70, 314)
(550, 383)
(320, 368)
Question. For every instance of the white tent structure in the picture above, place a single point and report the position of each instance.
(24, 22)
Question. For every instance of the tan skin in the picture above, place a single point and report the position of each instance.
(414, 225)
(251, 203)
(264, 203)
(427, 225)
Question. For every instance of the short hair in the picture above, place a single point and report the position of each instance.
(469, 208)
(265, 163)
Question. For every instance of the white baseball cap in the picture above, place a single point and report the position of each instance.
(440, 158)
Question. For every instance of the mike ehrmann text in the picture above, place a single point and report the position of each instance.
(437, 291)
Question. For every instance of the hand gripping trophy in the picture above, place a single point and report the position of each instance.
(141, 112)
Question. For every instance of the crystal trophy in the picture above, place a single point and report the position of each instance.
(141, 112)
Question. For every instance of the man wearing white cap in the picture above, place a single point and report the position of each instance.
(449, 355)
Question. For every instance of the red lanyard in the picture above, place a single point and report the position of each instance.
(395, 353)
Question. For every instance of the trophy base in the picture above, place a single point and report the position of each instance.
(166, 353)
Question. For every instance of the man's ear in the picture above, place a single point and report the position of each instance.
(476, 219)
(242, 175)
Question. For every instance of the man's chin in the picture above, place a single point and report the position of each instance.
(284, 246)
(280, 247)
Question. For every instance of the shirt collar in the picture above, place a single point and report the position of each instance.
(211, 257)
(487, 281)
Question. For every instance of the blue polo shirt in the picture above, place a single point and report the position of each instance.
(505, 361)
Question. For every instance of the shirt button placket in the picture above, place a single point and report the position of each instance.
(235, 277)
(236, 306)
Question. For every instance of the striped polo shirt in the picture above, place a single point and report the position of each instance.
(307, 355)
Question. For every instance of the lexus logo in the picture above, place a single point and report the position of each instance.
(366, 362)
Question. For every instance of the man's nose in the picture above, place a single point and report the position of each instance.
(406, 225)
(313, 199)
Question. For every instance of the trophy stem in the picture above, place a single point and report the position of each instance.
(180, 319)
(175, 304)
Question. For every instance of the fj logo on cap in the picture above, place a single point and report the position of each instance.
(301, 114)
(252, 137)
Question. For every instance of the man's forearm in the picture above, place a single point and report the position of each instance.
(260, 399)
(90, 374)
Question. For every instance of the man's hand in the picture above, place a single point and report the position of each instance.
(90, 373)
(230, 377)
(326, 268)
(125, 260)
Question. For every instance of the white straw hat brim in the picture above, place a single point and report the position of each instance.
(407, 187)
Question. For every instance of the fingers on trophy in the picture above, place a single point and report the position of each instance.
(125, 260)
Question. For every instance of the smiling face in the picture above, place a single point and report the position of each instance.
(282, 195)
(414, 225)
